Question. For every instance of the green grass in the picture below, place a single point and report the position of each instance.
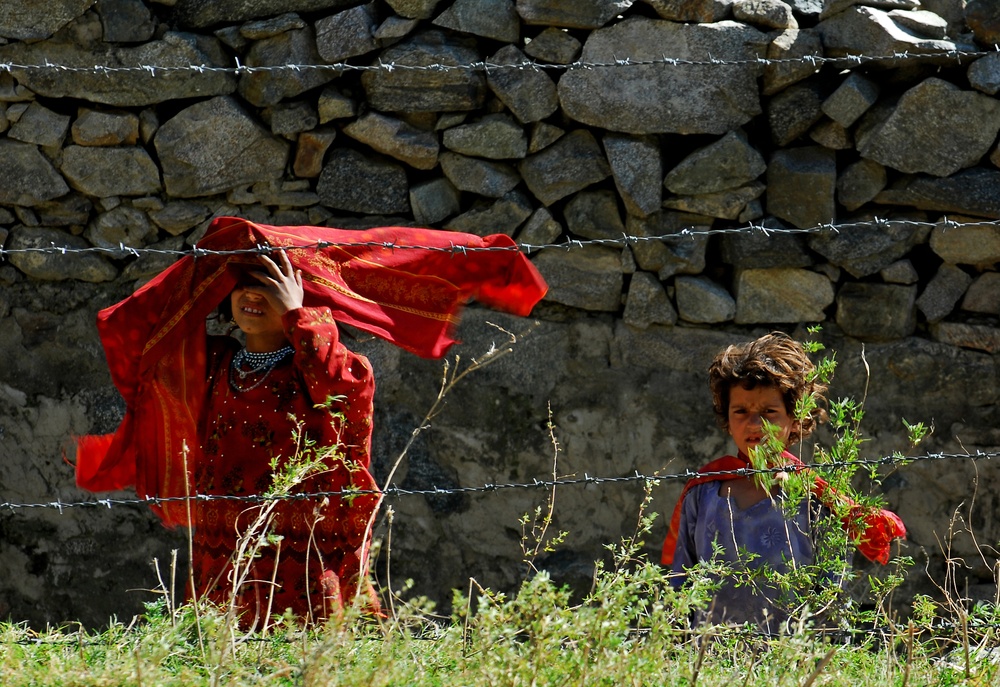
(632, 630)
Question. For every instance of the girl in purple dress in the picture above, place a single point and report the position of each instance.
(738, 521)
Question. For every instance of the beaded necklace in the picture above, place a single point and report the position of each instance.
(246, 363)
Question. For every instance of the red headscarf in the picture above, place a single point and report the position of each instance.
(405, 285)
(877, 529)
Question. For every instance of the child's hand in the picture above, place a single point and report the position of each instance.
(284, 290)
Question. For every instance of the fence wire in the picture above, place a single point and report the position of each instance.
(485, 66)
(685, 233)
(396, 492)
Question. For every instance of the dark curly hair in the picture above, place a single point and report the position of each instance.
(774, 360)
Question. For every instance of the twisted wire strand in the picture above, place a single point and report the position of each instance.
(395, 491)
(689, 232)
(485, 66)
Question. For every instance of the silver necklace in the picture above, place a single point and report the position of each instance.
(246, 363)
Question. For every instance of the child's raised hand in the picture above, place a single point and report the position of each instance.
(284, 285)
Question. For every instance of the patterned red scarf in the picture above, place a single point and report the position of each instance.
(405, 285)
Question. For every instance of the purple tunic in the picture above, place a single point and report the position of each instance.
(711, 522)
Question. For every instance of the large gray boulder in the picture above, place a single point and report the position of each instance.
(201, 14)
(571, 14)
(983, 17)
(647, 302)
(26, 176)
(678, 349)
(983, 295)
(433, 201)
(594, 215)
(757, 249)
(96, 128)
(727, 163)
(125, 21)
(554, 46)
(214, 146)
(495, 137)
(935, 128)
(766, 14)
(571, 164)
(921, 22)
(444, 90)
(70, 210)
(357, 183)
(589, 278)
(860, 182)
(41, 126)
(943, 292)
(700, 11)
(801, 184)
(414, 9)
(122, 226)
(530, 94)
(785, 52)
(663, 98)
(541, 229)
(984, 74)
(348, 33)
(975, 336)
(482, 177)
(728, 204)
(103, 172)
(135, 87)
(863, 250)
(968, 244)
(974, 191)
(501, 216)
(55, 266)
(662, 248)
(782, 294)
(876, 312)
(396, 138)
(791, 113)
(495, 19)
(29, 20)
(263, 87)
(177, 217)
(852, 99)
(872, 32)
(703, 301)
(637, 167)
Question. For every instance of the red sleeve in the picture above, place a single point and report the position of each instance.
(334, 374)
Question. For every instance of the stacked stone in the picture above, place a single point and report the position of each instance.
(144, 158)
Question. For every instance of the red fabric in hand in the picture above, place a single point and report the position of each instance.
(872, 530)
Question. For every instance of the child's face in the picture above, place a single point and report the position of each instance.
(749, 408)
(252, 311)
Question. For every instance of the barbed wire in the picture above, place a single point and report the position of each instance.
(395, 491)
(485, 66)
(689, 232)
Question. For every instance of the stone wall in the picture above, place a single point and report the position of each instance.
(655, 118)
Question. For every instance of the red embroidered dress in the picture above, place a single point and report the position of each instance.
(247, 424)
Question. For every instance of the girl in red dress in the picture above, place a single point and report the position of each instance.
(292, 387)
(207, 417)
